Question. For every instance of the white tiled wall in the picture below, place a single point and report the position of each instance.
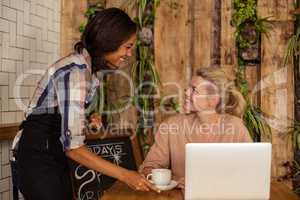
(29, 42)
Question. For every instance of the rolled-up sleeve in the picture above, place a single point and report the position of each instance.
(71, 92)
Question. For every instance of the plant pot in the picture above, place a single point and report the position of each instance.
(249, 34)
(251, 53)
(146, 35)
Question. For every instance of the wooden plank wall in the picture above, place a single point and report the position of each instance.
(185, 40)
(172, 48)
(201, 33)
(277, 80)
(228, 48)
(71, 18)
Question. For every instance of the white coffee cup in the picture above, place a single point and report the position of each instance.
(160, 176)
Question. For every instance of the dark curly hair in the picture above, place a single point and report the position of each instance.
(104, 33)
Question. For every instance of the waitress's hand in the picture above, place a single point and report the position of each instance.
(138, 182)
(95, 122)
(181, 183)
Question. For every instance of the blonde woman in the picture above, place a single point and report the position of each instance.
(215, 109)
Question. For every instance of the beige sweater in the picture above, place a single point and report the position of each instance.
(168, 151)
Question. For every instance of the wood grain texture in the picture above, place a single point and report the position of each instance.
(124, 5)
(277, 93)
(252, 76)
(8, 131)
(202, 33)
(72, 16)
(228, 47)
(172, 48)
(114, 3)
(277, 10)
(119, 191)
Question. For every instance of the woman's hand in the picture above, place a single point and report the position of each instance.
(92, 161)
(181, 182)
(95, 122)
(137, 181)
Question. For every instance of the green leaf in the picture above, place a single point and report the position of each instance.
(82, 27)
(255, 123)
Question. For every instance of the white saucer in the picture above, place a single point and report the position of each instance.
(171, 186)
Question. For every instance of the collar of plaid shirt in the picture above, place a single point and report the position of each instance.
(87, 59)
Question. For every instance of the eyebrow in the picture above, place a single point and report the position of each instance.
(130, 44)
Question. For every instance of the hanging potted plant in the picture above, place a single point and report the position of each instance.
(249, 28)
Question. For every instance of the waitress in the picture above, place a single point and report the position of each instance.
(55, 119)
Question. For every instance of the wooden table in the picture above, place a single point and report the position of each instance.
(119, 191)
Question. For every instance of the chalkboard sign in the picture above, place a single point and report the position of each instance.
(89, 184)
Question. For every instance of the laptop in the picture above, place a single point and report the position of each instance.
(227, 171)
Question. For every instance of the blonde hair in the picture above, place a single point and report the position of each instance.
(231, 100)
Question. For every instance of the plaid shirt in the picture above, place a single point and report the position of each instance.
(69, 85)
